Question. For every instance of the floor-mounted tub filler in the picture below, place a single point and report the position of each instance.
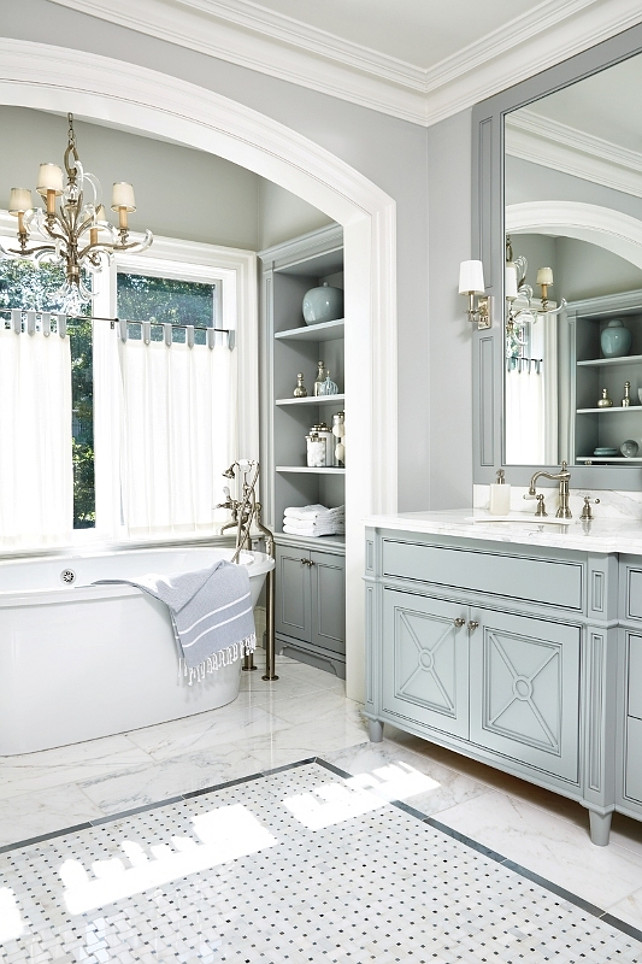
(80, 661)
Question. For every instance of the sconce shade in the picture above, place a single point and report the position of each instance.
(471, 278)
(122, 196)
(511, 281)
(49, 179)
(544, 276)
(19, 200)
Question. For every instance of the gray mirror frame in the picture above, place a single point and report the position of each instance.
(488, 245)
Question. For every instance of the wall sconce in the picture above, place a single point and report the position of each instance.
(471, 283)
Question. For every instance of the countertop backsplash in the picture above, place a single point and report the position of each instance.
(612, 505)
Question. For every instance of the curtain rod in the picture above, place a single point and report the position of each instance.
(115, 321)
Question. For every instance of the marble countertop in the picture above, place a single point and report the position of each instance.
(599, 535)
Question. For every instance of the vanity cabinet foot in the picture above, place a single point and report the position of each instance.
(375, 731)
(600, 827)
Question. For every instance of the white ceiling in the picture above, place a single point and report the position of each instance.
(420, 60)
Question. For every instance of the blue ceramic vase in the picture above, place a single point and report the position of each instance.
(322, 304)
(615, 339)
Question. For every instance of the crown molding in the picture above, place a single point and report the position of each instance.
(534, 138)
(240, 32)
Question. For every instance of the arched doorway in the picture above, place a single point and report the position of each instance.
(135, 98)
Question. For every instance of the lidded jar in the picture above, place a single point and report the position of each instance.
(615, 339)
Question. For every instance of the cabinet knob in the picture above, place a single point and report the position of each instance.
(472, 625)
(459, 622)
(306, 562)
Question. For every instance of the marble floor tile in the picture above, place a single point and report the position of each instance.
(31, 814)
(236, 723)
(46, 769)
(549, 845)
(170, 777)
(445, 787)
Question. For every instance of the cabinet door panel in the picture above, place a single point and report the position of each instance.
(633, 760)
(525, 694)
(425, 661)
(635, 675)
(328, 601)
(292, 616)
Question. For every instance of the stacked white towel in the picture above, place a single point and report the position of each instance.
(314, 520)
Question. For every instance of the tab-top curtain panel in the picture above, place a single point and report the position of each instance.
(36, 475)
(177, 433)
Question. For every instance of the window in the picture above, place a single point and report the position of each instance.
(185, 284)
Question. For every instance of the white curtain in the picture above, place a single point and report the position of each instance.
(532, 400)
(36, 473)
(178, 433)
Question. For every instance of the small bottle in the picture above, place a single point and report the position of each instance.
(626, 401)
(605, 401)
(300, 390)
(320, 378)
(499, 496)
(328, 387)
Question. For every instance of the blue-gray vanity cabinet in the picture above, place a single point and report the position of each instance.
(506, 653)
(310, 605)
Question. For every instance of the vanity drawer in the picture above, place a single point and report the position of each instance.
(549, 581)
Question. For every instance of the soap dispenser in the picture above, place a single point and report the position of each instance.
(499, 496)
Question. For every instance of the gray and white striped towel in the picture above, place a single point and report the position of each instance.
(211, 614)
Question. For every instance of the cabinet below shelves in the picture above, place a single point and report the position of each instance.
(310, 604)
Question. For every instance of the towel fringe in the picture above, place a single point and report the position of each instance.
(224, 657)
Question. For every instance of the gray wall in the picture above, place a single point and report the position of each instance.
(403, 160)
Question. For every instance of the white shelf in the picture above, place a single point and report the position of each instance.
(312, 400)
(622, 360)
(614, 408)
(325, 331)
(605, 458)
(308, 470)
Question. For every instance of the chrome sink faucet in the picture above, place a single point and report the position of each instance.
(563, 477)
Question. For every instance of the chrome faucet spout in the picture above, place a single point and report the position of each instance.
(563, 477)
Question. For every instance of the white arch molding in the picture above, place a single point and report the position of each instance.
(605, 227)
(130, 97)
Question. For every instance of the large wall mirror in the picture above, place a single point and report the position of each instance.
(558, 225)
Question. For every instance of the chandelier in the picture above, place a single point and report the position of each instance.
(77, 235)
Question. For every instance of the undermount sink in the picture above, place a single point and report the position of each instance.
(523, 519)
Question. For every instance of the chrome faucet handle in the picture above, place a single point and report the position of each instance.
(540, 511)
(587, 512)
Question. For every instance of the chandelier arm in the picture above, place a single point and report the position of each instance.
(64, 232)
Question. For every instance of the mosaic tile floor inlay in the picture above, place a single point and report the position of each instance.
(299, 864)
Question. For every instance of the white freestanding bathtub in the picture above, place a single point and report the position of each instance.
(79, 661)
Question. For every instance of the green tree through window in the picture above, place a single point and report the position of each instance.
(34, 287)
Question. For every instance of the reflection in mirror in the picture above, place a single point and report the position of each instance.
(573, 195)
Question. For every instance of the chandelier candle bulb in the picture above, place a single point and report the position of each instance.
(511, 282)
